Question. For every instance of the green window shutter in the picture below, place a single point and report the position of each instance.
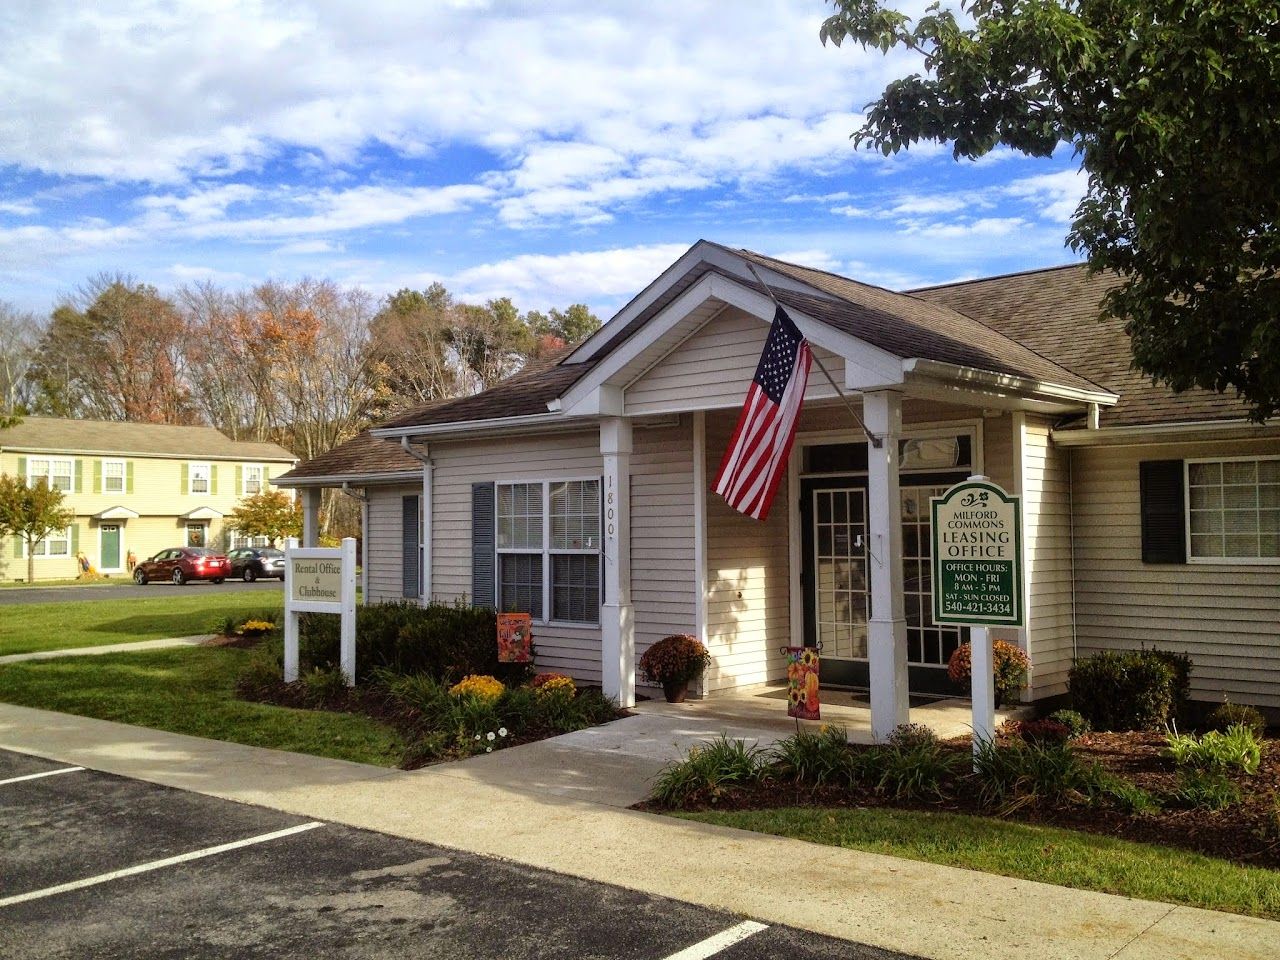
(78, 486)
(213, 479)
(17, 547)
(186, 483)
(22, 468)
(97, 476)
(239, 480)
(128, 477)
(75, 537)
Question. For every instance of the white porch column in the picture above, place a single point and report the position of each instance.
(428, 470)
(617, 629)
(887, 629)
(364, 548)
(311, 516)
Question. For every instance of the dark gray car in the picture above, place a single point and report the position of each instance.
(257, 563)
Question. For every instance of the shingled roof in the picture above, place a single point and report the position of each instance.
(364, 455)
(1055, 312)
(57, 435)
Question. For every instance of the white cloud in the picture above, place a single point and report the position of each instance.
(1057, 194)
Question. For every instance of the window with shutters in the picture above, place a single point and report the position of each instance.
(198, 481)
(252, 481)
(548, 548)
(1233, 510)
(56, 544)
(58, 474)
(113, 476)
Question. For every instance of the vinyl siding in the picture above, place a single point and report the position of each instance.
(157, 497)
(713, 368)
(1226, 617)
(458, 464)
(386, 563)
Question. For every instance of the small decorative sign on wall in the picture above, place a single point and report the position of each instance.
(515, 638)
(802, 683)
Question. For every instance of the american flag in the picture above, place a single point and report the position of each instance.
(757, 454)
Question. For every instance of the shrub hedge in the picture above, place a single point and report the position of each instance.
(1135, 690)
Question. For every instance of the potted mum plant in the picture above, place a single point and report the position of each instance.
(672, 662)
(1009, 662)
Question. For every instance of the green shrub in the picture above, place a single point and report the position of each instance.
(907, 735)
(1237, 714)
(1135, 690)
(263, 672)
(1206, 789)
(709, 772)
(1045, 731)
(1236, 749)
(323, 685)
(443, 640)
(816, 759)
(1074, 721)
(915, 773)
(1018, 774)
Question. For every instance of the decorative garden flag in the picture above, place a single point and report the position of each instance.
(756, 458)
(515, 638)
(802, 683)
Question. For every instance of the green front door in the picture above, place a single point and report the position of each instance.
(110, 559)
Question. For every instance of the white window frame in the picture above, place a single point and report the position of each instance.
(259, 479)
(124, 475)
(191, 479)
(38, 554)
(240, 542)
(47, 474)
(546, 551)
(1186, 514)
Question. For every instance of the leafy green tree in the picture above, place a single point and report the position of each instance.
(571, 325)
(491, 341)
(1171, 107)
(32, 512)
(272, 514)
(409, 348)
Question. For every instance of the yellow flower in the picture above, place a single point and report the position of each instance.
(481, 686)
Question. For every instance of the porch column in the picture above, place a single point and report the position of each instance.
(887, 629)
(617, 629)
(311, 516)
(428, 471)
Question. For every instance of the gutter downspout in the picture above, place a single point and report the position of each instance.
(428, 467)
(364, 538)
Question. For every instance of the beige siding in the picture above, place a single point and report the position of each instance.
(1045, 485)
(662, 550)
(459, 464)
(386, 546)
(748, 593)
(1225, 616)
(158, 497)
(713, 368)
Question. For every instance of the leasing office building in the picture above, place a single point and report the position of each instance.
(578, 489)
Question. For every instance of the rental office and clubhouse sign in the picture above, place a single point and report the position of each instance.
(977, 556)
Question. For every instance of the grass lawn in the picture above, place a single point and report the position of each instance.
(29, 627)
(191, 690)
(1048, 854)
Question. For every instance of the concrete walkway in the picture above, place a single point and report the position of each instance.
(160, 644)
(897, 904)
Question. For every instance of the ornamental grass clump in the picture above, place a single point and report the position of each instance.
(816, 759)
(710, 772)
(1009, 665)
(674, 660)
(1238, 749)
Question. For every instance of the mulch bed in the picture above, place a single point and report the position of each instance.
(1247, 833)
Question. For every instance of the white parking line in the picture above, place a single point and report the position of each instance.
(156, 865)
(721, 941)
(37, 776)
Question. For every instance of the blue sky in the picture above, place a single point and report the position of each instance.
(553, 152)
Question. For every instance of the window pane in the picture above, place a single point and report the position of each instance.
(1269, 471)
(520, 583)
(1206, 521)
(1240, 498)
(575, 588)
(1205, 497)
(1242, 545)
(60, 475)
(1206, 545)
(1205, 472)
(520, 516)
(575, 515)
(1240, 471)
(113, 477)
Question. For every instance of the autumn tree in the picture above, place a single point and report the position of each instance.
(114, 352)
(31, 512)
(272, 514)
(410, 348)
(1170, 107)
(19, 338)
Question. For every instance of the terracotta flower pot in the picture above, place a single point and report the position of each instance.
(675, 690)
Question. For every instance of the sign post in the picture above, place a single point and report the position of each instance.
(320, 580)
(977, 578)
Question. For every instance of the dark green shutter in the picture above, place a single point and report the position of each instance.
(78, 483)
(484, 558)
(1164, 523)
(128, 477)
(17, 547)
(22, 468)
(410, 534)
(186, 478)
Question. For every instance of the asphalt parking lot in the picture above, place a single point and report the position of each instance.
(95, 865)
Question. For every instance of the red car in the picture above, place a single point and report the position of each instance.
(181, 564)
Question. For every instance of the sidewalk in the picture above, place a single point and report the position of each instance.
(161, 644)
(913, 907)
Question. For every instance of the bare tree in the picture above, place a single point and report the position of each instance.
(20, 334)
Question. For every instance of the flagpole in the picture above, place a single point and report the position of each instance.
(876, 441)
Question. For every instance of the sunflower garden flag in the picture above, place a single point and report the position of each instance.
(802, 683)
